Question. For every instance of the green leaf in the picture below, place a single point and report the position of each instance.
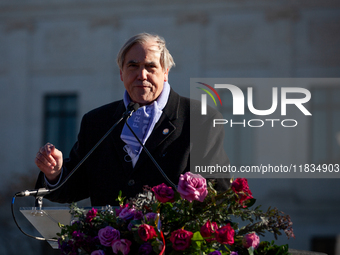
(120, 199)
(197, 239)
(251, 250)
(251, 202)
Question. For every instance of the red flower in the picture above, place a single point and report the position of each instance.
(146, 232)
(164, 193)
(208, 229)
(241, 187)
(225, 234)
(91, 215)
(181, 239)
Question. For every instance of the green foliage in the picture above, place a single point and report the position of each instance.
(269, 248)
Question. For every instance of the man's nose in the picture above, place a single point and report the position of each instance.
(142, 73)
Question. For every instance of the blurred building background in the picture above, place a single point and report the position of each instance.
(57, 61)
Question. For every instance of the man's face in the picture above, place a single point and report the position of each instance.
(142, 73)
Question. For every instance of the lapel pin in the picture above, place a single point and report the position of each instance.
(165, 131)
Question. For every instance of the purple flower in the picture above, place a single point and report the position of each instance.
(91, 215)
(127, 213)
(234, 253)
(192, 187)
(122, 245)
(150, 216)
(78, 238)
(138, 215)
(67, 247)
(131, 225)
(91, 243)
(145, 249)
(107, 235)
(215, 253)
(120, 209)
(98, 252)
(77, 235)
(75, 222)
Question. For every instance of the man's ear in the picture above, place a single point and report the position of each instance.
(166, 74)
(121, 74)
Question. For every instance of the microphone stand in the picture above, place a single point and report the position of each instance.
(132, 107)
(150, 156)
(40, 193)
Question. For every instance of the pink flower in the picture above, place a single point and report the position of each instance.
(122, 245)
(181, 239)
(127, 213)
(251, 240)
(208, 229)
(91, 215)
(241, 187)
(146, 232)
(107, 235)
(225, 235)
(163, 193)
(192, 187)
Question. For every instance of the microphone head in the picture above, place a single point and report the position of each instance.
(133, 106)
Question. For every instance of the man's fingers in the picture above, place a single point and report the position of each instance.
(48, 148)
(45, 155)
(49, 160)
(44, 160)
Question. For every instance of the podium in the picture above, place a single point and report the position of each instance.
(46, 220)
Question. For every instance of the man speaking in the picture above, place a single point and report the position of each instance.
(162, 123)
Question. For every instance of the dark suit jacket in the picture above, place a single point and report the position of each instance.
(106, 172)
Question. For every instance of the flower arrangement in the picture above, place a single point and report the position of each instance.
(195, 219)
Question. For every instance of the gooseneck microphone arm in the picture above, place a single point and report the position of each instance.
(40, 193)
(132, 107)
(150, 156)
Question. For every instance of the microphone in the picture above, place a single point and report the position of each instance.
(132, 107)
(33, 192)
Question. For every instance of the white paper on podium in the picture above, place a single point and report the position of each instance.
(46, 220)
